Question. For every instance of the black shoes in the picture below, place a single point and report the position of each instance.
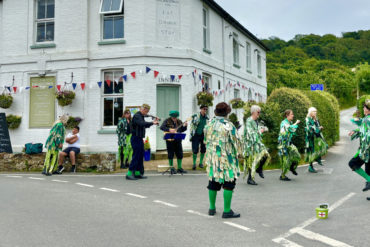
(172, 171)
(261, 174)
(194, 168)
(44, 171)
(211, 212)
(251, 181)
(59, 171)
(284, 178)
(367, 186)
(131, 177)
(201, 166)
(293, 170)
(48, 174)
(230, 214)
(140, 177)
(73, 169)
(181, 171)
(368, 198)
(311, 169)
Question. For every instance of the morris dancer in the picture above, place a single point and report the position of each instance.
(198, 123)
(255, 153)
(136, 169)
(124, 140)
(289, 155)
(223, 146)
(174, 125)
(363, 153)
(316, 146)
(54, 144)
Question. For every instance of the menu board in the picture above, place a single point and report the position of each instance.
(42, 102)
(5, 145)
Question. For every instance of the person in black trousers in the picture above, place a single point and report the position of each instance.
(136, 169)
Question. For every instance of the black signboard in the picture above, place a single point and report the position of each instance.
(5, 145)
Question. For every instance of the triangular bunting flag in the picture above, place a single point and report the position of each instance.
(108, 82)
(59, 87)
(27, 88)
(83, 85)
(180, 76)
(148, 70)
(124, 77)
(200, 77)
(50, 87)
(15, 89)
(193, 74)
(133, 74)
(172, 77)
(74, 85)
(99, 84)
(156, 73)
(202, 82)
(9, 89)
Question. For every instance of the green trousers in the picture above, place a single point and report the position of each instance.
(51, 160)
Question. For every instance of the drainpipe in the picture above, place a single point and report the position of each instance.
(223, 56)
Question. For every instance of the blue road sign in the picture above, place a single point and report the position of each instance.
(315, 87)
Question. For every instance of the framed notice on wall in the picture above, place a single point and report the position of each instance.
(42, 102)
(133, 109)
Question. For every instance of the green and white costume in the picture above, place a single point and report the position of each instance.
(53, 142)
(363, 133)
(316, 146)
(124, 141)
(254, 149)
(287, 151)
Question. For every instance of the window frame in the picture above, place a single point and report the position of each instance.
(209, 82)
(205, 28)
(44, 20)
(112, 15)
(114, 95)
(248, 52)
(236, 56)
(111, 11)
(259, 63)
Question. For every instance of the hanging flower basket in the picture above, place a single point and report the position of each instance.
(205, 98)
(73, 122)
(65, 97)
(5, 101)
(13, 121)
(237, 103)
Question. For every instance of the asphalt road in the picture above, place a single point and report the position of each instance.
(107, 210)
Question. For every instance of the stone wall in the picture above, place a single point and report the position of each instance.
(100, 162)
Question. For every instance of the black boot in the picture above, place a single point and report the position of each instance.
(260, 171)
(250, 180)
(368, 198)
(284, 178)
(230, 214)
(211, 212)
(292, 169)
(194, 167)
(173, 171)
(43, 171)
(311, 169)
(367, 186)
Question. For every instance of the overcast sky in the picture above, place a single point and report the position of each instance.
(286, 18)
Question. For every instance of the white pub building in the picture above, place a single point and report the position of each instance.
(122, 53)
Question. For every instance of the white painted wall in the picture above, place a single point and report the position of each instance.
(77, 33)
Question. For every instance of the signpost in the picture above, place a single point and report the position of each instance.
(5, 145)
(315, 87)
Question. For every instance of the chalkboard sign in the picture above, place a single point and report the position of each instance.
(5, 145)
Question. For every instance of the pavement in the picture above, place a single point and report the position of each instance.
(107, 210)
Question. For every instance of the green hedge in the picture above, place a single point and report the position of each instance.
(360, 103)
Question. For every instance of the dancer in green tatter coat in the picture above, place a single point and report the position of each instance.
(54, 144)
(288, 152)
(316, 146)
(223, 147)
(124, 140)
(198, 122)
(256, 155)
(363, 154)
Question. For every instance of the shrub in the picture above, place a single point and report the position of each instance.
(360, 103)
(234, 119)
(13, 121)
(237, 103)
(73, 122)
(65, 97)
(205, 98)
(5, 101)
(293, 99)
(326, 113)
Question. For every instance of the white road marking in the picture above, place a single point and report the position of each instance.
(319, 237)
(239, 226)
(59, 181)
(107, 189)
(36, 178)
(285, 242)
(86, 185)
(198, 213)
(166, 203)
(136, 195)
(312, 220)
(14, 176)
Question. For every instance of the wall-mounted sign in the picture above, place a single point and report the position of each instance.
(315, 87)
(168, 21)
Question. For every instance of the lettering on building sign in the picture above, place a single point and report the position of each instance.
(168, 21)
(168, 80)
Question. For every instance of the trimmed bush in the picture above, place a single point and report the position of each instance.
(327, 113)
(13, 121)
(5, 101)
(299, 103)
(360, 104)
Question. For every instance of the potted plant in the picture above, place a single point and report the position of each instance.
(237, 103)
(13, 121)
(147, 149)
(65, 97)
(5, 101)
(73, 122)
(205, 98)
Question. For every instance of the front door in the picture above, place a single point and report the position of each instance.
(167, 100)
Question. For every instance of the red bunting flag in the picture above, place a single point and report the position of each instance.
(15, 89)
(156, 73)
(133, 74)
(108, 82)
(58, 87)
(202, 82)
(35, 86)
(83, 85)
(180, 76)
